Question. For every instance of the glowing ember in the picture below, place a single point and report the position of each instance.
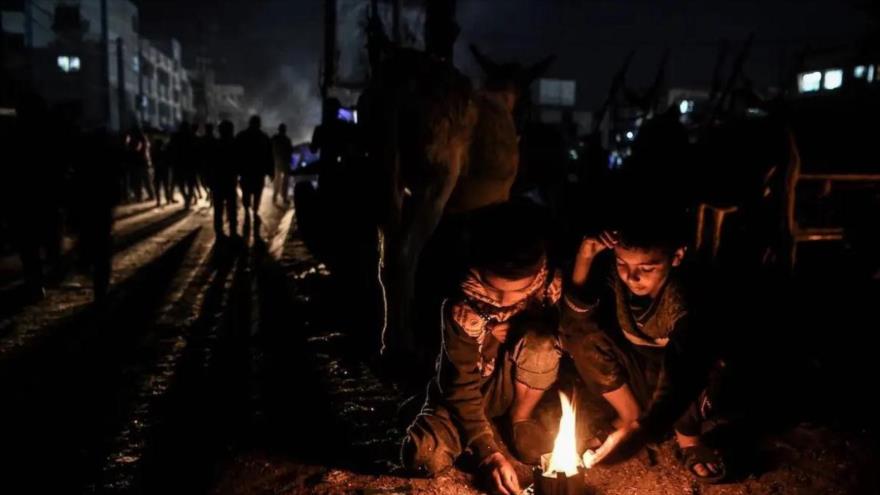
(564, 458)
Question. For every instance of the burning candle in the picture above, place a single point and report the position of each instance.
(562, 471)
(564, 458)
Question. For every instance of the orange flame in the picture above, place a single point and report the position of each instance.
(564, 458)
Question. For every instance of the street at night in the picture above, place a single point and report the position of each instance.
(439, 247)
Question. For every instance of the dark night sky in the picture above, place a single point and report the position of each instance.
(274, 46)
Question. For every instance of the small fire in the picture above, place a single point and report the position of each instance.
(564, 458)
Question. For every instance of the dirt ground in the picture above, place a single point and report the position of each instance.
(352, 448)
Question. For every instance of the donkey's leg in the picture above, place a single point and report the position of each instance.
(423, 213)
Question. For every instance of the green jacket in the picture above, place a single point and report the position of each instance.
(467, 356)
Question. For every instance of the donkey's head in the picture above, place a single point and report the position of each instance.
(511, 80)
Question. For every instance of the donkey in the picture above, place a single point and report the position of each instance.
(440, 146)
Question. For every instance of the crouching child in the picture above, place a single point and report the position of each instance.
(499, 354)
(640, 340)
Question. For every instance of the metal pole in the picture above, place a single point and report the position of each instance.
(395, 21)
(441, 30)
(329, 75)
(105, 62)
(140, 78)
(120, 84)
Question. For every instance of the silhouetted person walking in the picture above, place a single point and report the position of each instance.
(96, 173)
(255, 157)
(161, 172)
(137, 158)
(198, 165)
(27, 161)
(183, 162)
(222, 176)
(282, 151)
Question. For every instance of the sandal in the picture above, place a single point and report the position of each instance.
(700, 454)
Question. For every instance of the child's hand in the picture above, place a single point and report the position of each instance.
(614, 440)
(591, 246)
(502, 476)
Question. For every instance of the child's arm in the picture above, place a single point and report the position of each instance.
(459, 378)
(590, 247)
(624, 403)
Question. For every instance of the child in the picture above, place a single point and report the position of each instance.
(638, 338)
(499, 354)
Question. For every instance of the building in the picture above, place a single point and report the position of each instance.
(214, 102)
(228, 102)
(165, 86)
(82, 54)
(834, 97)
(838, 70)
(554, 103)
(88, 55)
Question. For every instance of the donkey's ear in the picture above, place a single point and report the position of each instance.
(488, 66)
(537, 70)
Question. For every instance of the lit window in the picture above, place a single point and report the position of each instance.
(859, 72)
(870, 73)
(809, 81)
(136, 63)
(686, 106)
(68, 64)
(833, 79)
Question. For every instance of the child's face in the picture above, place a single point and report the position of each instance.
(645, 271)
(507, 291)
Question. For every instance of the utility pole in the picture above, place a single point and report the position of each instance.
(441, 30)
(105, 63)
(395, 21)
(120, 85)
(328, 77)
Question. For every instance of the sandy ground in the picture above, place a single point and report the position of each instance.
(800, 459)
(240, 370)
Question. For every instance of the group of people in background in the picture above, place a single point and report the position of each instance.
(82, 170)
(212, 165)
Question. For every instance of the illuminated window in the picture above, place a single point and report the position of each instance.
(68, 64)
(809, 81)
(870, 73)
(859, 72)
(686, 106)
(833, 79)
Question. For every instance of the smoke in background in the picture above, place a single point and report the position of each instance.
(291, 97)
(352, 17)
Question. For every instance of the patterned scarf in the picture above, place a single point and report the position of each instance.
(482, 309)
(479, 313)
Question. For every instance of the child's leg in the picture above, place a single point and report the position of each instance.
(537, 365)
(687, 434)
(432, 443)
(536, 358)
